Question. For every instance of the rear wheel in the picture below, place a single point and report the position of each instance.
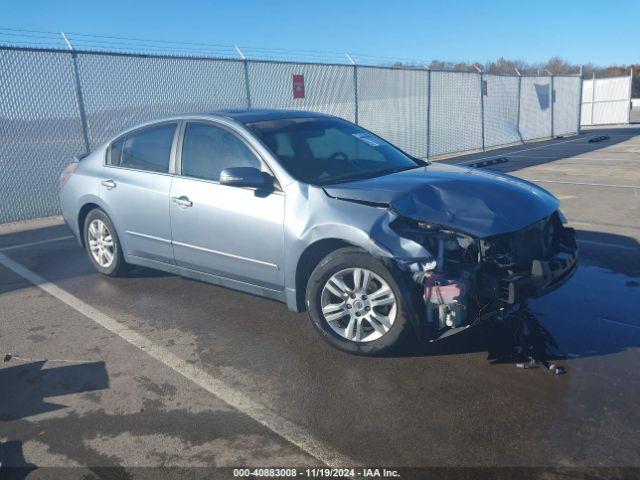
(103, 245)
(355, 303)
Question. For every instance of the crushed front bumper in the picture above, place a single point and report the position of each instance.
(545, 275)
(510, 270)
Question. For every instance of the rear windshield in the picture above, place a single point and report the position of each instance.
(323, 151)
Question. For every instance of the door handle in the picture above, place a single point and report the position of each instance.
(182, 202)
(109, 184)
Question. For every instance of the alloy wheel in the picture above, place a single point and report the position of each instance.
(358, 304)
(101, 243)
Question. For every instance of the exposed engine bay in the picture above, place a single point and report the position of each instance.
(472, 278)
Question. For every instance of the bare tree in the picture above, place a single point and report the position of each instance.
(555, 65)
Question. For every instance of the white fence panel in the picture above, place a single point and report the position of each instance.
(121, 91)
(606, 101)
(393, 104)
(40, 131)
(327, 88)
(566, 103)
(501, 110)
(535, 108)
(455, 123)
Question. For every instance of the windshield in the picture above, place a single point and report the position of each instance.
(322, 151)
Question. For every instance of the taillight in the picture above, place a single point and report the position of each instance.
(68, 171)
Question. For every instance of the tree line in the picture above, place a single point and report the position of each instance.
(555, 66)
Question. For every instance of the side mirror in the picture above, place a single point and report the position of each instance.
(246, 177)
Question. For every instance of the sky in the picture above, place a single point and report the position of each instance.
(584, 31)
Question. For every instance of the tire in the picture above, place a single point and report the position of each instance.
(348, 260)
(117, 266)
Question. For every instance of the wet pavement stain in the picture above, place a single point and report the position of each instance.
(72, 434)
(36, 338)
(161, 389)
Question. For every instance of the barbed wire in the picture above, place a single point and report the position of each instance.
(86, 41)
(17, 37)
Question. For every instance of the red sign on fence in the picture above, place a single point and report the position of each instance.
(298, 86)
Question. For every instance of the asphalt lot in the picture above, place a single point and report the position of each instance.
(157, 370)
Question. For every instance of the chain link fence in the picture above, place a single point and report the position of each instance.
(55, 104)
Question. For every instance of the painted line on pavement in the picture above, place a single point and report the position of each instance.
(286, 429)
(33, 244)
(506, 154)
(583, 183)
(623, 324)
(578, 157)
(609, 245)
(603, 224)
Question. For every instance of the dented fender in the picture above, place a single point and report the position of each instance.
(313, 216)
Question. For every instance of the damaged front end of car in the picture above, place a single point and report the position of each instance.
(470, 279)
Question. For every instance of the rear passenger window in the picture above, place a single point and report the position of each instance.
(148, 149)
(115, 153)
(207, 150)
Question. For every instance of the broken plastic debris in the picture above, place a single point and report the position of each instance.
(488, 163)
(557, 369)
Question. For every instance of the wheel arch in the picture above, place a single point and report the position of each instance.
(309, 259)
(89, 204)
(82, 216)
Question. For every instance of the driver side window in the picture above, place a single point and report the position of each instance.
(208, 149)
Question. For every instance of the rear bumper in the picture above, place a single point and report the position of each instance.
(546, 275)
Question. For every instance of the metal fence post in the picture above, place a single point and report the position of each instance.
(428, 113)
(580, 101)
(355, 85)
(593, 96)
(245, 64)
(630, 94)
(552, 101)
(78, 90)
(519, 101)
(482, 107)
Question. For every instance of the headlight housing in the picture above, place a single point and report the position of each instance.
(444, 243)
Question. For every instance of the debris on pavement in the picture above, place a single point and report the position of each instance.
(486, 163)
(526, 343)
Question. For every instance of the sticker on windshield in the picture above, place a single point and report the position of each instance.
(367, 138)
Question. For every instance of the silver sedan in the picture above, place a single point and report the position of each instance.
(317, 212)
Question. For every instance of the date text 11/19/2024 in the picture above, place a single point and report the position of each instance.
(316, 472)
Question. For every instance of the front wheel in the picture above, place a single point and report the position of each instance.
(103, 245)
(356, 304)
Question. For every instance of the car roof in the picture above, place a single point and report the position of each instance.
(249, 115)
(240, 115)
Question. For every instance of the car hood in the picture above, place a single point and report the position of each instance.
(479, 202)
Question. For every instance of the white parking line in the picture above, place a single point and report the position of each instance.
(33, 244)
(574, 157)
(609, 245)
(506, 154)
(601, 224)
(584, 183)
(603, 132)
(288, 430)
(624, 324)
